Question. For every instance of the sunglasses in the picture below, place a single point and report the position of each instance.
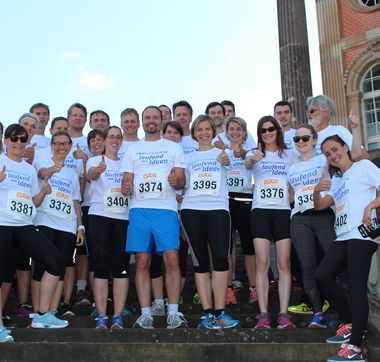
(311, 110)
(23, 139)
(269, 129)
(305, 138)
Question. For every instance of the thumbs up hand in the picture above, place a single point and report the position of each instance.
(79, 154)
(59, 163)
(172, 178)
(258, 154)
(324, 184)
(239, 152)
(29, 153)
(223, 158)
(3, 174)
(220, 144)
(102, 166)
(353, 120)
(45, 186)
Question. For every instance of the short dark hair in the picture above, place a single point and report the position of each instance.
(77, 105)
(228, 103)
(56, 119)
(182, 104)
(39, 105)
(282, 103)
(130, 110)
(92, 134)
(215, 104)
(100, 111)
(15, 129)
(173, 124)
(154, 107)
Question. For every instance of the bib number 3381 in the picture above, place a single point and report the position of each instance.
(20, 206)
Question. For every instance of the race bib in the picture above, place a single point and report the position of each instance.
(151, 185)
(342, 219)
(59, 204)
(20, 206)
(272, 192)
(303, 198)
(205, 183)
(114, 201)
(236, 181)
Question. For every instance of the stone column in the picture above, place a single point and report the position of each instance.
(294, 55)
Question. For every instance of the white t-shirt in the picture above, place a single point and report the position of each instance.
(107, 199)
(271, 180)
(57, 211)
(332, 130)
(206, 182)
(41, 141)
(249, 144)
(288, 138)
(16, 192)
(188, 144)
(124, 147)
(352, 193)
(239, 178)
(70, 161)
(303, 176)
(151, 163)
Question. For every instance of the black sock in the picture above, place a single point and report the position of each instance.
(208, 311)
(218, 312)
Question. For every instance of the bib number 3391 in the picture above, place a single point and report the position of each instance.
(20, 206)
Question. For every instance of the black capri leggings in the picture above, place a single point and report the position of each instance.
(204, 227)
(355, 255)
(63, 241)
(33, 242)
(109, 238)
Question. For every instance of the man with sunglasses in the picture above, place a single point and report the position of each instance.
(320, 111)
(283, 113)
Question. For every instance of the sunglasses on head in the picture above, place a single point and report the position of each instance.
(269, 129)
(305, 138)
(23, 139)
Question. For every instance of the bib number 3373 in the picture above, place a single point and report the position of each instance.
(59, 204)
(20, 206)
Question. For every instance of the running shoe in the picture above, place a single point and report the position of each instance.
(126, 312)
(284, 321)
(224, 321)
(144, 321)
(342, 335)
(101, 322)
(196, 298)
(4, 329)
(318, 321)
(24, 310)
(237, 285)
(117, 322)
(302, 308)
(48, 320)
(252, 295)
(206, 322)
(5, 337)
(230, 296)
(82, 298)
(347, 353)
(158, 309)
(65, 310)
(263, 321)
(176, 320)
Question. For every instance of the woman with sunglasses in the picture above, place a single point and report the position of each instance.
(108, 223)
(270, 218)
(20, 195)
(309, 227)
(59, 217)
(352, 190)
(206, 221)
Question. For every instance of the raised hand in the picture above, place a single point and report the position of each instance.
(102, 166)
(79, 154)
(29, 153)
(59, 163)
(238, 150)
(353, 120)
(223, 158)
(45, 186)
(3, 174)
(220, 144)
(324, 184)
(172, 178)
(258, 154)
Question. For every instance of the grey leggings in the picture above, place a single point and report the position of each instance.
(308, 230)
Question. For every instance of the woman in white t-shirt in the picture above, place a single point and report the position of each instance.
(310, 228)
(270, 218)
(59, 217)
(19, 196)
(108, 223)
(353, 191)
(206, 221)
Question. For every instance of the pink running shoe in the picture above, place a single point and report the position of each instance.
(284, 321)
(263, 321)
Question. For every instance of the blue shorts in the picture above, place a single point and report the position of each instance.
(148, 227)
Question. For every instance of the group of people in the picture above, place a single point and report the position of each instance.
(187, 186)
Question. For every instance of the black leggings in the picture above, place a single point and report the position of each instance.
(355, 255)
(109, 238)
(204, 227)
(64, 242)
(33, 242)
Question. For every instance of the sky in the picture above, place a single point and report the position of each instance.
(115, 54)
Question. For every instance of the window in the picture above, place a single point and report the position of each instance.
(365, 5)
(371, 107)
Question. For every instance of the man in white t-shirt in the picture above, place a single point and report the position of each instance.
(183, 114)
(320, 111)
(42, 111)
(99, 120)
(283, 113)
(166, 113)
(153, 171)
(130, 124)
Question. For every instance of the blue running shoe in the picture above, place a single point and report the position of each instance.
(126, 312)
(224, 321)
(48, 320)
(347, 353)
(318, 321)
(117, 322)
(5, 337)
(101, 322)
(342, 335)
(207, 320)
